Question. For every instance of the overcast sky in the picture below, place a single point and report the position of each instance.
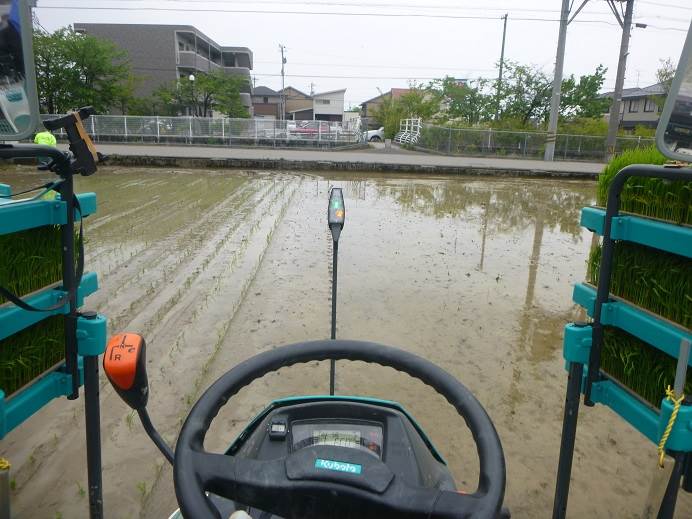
(378, 47)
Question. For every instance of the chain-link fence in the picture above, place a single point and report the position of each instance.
(219, 131)
(465, 141)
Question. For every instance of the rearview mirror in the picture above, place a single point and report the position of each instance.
(18, 99)
(674, 131)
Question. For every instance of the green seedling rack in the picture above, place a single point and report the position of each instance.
(583, 342)
(84, 332)
(91, 333)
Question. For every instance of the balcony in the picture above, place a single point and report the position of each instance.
(191, 60)
(237, 56)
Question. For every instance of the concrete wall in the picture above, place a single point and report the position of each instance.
(151, 52)
(329, 104)
(266, 109)
(297, 101)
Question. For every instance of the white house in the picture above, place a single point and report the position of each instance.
(328, 106)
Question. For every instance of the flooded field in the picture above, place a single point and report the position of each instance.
(214, 266)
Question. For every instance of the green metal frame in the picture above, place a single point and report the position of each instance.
(18, 216)
(659, 333)
(676, 239)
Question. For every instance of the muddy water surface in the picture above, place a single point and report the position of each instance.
(215, 266)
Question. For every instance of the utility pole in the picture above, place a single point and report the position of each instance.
(614, 120)
(565, 20)
(282, 48)
(502, 62)
(557, 83)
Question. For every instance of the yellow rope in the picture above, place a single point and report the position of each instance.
(670, 395)
(4, 464)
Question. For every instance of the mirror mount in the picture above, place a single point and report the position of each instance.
(674, 130)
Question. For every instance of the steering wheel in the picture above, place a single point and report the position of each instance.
(266, 484)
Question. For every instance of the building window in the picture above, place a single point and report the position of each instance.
(649, 105)
(265, 100)
(634, 105)
(322, 101)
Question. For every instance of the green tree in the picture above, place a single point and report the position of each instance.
(526, 91)
(664, 75)
(580, 99)
(74, 70)
(215, 91)
(465, 103)
(525, 94)
(418, 102)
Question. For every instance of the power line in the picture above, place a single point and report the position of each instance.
(330, 13)
(390, 6)
(318, 76)
(358, 65)
(310, 13)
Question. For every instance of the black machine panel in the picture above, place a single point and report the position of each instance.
(351, 434)
(337, 430)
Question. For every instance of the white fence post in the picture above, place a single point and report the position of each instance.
(125, 124)
(190, 118)
(158, 131)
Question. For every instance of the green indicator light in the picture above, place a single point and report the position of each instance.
(336, 204)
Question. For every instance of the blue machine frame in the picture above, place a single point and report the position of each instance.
(17, 216)
(583, 342)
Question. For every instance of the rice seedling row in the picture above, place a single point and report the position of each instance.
(651, 279)
(645, 370)
(657, 281)
(27, 354)
(657, 198)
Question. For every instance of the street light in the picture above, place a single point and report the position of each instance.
(191, 77)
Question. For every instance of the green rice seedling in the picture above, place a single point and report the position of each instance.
(27, 354)
(30, 260)
(652, 197)
(652, 279)
(640, 367)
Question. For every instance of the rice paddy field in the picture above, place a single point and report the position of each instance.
(214, 266)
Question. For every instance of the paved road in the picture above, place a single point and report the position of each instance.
(373, 155)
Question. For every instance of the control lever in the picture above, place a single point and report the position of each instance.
(84, 151)
(125, 366)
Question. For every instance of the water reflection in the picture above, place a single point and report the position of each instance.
(513, 204)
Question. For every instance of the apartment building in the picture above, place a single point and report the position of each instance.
(160, 54)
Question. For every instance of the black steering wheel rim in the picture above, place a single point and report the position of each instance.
(189, 489)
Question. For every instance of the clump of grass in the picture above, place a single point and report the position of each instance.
(652, 279)
(657, 198)
(642, 368)
(27, 354)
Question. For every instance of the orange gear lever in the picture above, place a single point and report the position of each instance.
(125, 365)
